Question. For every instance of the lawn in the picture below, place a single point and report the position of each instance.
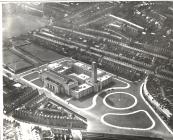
(38, 82)
(120, 100)
(137, 120)
(43, 54)
(86, 101)
(31, 76)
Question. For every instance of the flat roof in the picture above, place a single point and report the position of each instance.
(88, 67)
(83, 76)
(104, 77)
(99, 71)
(62, 69)
(54, 65)
(19, 65)
(82, 88)
(17, 85)
(55, 75)
(80, 76)
(82, 65)
(79, 64)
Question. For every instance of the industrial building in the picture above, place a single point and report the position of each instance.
(57, 82)
(74, 78)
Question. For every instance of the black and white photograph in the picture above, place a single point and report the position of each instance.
(87, 70)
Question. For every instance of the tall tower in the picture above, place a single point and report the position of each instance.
(94, 72)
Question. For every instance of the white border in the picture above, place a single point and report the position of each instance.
(111, 107)
(113, 88)
(128, 128)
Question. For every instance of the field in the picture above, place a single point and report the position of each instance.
(119, 100)
(34, 78)
(38, 82)
(31, 76)
(40, 53)
(118, 120)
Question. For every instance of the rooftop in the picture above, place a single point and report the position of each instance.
(82, 65)
(54, 65)
(80, 76)
(83, 76)
(55, 75)
(103, 78)
(88, 67)
(82, 87)
(17, 85)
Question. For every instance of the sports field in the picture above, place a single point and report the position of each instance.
(40, 53)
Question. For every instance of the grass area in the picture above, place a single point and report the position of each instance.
(38, 82)
(31, 76)
(120, 100)
(43, 54)
(137, 120)
(86, 101)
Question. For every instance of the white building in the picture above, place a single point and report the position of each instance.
(77, 79)
(81, 90)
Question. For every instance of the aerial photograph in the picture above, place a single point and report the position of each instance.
(87, 70)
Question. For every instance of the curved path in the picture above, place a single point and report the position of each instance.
(120, 108)
(142, 96)
(113, 88)
(125, 114)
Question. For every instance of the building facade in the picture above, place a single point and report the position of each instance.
(76, 80)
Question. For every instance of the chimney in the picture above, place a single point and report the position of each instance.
(94, 72)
